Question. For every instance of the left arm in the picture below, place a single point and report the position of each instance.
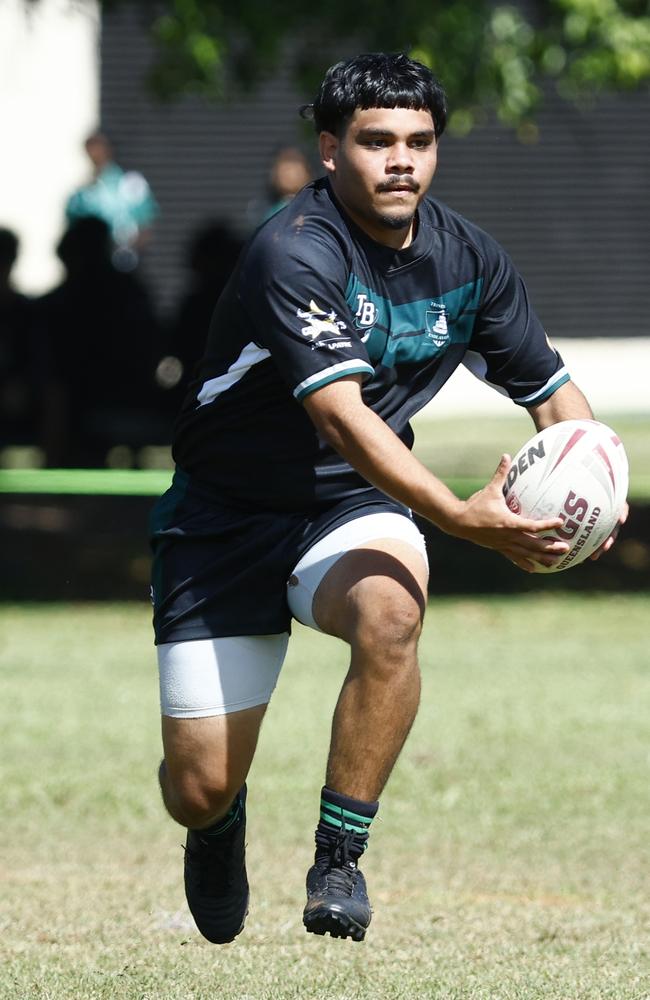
(510, 349)
(566, 403)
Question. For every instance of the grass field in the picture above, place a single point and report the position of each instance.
(454, 448)
(510, 859)
(464, 446)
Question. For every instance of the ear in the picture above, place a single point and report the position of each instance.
(328, 145)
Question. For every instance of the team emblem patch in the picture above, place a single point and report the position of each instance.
(435, 321)
(366, 314)
(320, 322)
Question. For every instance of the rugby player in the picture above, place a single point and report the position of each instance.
(295, 483)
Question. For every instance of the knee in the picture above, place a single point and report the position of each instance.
(194, 798)
(385, 621)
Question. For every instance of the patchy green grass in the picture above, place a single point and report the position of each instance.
(470, 447)
(509, 859)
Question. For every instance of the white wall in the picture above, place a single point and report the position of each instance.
(614, 374)
(49, 101)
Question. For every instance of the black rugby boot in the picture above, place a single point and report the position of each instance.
(216, 886)
(337, 901)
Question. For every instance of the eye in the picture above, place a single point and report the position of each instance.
(375, 143)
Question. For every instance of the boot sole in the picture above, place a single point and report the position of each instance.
(215, 929)
(334, 922)
(220, 936)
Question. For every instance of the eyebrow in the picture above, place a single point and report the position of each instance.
(370, 133)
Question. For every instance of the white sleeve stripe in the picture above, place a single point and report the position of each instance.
(559, 376)
(250, 355)
(326, 374)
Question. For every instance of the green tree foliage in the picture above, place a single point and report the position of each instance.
(490, 56)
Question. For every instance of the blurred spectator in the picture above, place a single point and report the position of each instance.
(288, 173)
(212, 255)
(102, 338)
(123, 199)
(20, 363)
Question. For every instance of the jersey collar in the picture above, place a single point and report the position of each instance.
(387, 258)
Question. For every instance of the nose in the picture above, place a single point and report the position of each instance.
(400, 160)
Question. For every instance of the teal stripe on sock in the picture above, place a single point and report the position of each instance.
(338, 823)
(339, 811)
(222, 825)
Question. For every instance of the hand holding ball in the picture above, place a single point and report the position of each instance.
(576, 470)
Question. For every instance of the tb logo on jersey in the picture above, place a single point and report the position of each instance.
(366, 314)
(436, 323)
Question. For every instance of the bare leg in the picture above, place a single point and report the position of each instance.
(206, 763)
(374, 599)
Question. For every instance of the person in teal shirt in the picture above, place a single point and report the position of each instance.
(123, 199)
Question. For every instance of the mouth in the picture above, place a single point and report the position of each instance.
(402, 187)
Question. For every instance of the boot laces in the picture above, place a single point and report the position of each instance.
(338, 865)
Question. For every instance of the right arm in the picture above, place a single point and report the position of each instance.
(370, 446)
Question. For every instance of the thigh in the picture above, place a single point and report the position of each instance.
(210, 677)
(376, 562)
(211, 751)
(378, 589)
(213, 695)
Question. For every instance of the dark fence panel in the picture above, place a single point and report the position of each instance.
(77, 548)
(570, 203)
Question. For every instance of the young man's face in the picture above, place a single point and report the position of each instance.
(381, 168)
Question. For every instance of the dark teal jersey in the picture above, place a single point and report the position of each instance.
(314, 299)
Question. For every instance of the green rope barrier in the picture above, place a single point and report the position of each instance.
(96, 482)
(154, 482)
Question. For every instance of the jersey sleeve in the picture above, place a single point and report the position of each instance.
(294, 294)
(509, 348)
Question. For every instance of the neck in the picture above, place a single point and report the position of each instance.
(396, 239)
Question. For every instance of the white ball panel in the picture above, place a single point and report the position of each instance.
(576, 470)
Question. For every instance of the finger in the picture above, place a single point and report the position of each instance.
(501, 472)
(551, 546)
(605, 547)
(607, 544)
(525, 524)
(534, 544)
(520, 562)
(545, 558)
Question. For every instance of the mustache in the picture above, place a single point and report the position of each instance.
(399, 182)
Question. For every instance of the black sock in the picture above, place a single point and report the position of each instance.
(232, 819)
(341, 814)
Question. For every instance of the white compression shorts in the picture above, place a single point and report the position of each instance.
(204, 677)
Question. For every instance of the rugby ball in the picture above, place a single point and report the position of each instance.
(576, 470)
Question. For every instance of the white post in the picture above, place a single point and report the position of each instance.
(49, 103)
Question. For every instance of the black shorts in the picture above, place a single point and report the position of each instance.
(221, 571)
